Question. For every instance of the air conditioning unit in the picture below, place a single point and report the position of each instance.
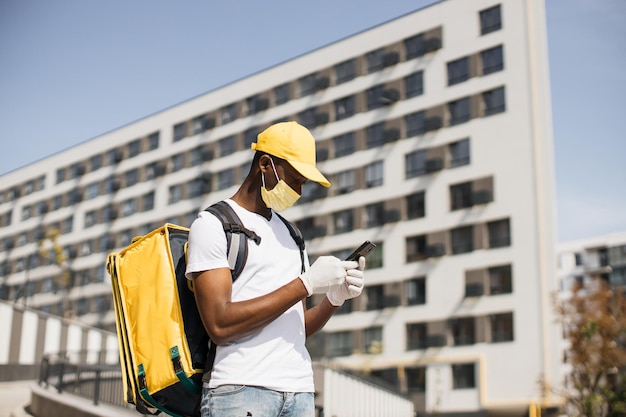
(321, 155)
(435, 251)
(161, 169)
(321, 119)
(392, 216)
(436, 340)
(79, 170)
(116, 185)
(391, 135)
(390, 58)
(434, 164)
(9, 243)
(322, 83)
(262, 104)
(390, 96)
(432, 44)
(474, 289)
(113, 213)
(208, 123)
(481, 197)
(119, 156)
(432, 123)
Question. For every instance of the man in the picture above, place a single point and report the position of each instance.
(260, 322)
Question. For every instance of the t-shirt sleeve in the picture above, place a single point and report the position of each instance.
(207, 245)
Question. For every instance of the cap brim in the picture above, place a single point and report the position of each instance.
(310, 172)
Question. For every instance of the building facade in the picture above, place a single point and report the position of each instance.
(435, 131)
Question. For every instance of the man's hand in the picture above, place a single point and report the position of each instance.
(352, 287)
(325, 273)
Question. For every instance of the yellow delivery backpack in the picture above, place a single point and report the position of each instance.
(164, 348)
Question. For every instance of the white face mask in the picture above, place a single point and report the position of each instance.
(281, 197)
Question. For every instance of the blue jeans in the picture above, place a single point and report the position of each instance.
(246, 401)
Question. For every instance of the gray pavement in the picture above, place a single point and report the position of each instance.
(14, 395)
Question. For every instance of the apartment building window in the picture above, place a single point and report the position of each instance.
(226, 146)
(375, 259)
(375, 135)
(129, 207)
(344, 107)
(415, 290)
(345, 182)
(307, 84)
(374, 97)
(195, 188)
(458, 71)
(153, 141)
(490, 20)
(343, 221)
(147, 201)
(414, 84)
(281, 94)
(414, 46)
(492, 60)
(416, 379)
(501, 327)
(228, 113)
(92, 190)
(463, 331)
(493, 101)
(462, 239)
(463, 376)
(90, 218)
(60, 177)
(461, 196)
(340, 343)
(415, 164)
(27, 212)
(307, 117)
(375, 214)
(225, 179)
(416, 336)
(415, 248)
(375, 60)
(345, 71)
(178, 162)
(95, 162)
(180, 131)
(500, 280)
(499, 233)
(373, 338)
(344, 144)
(67, 225)
(375, 296)
(131, 177)
(57, 202)
(176, 193)
(134, 148)
(415, 123)
(415, 205)
(374, 174)
(256, 104)
(459, 153)
(459, 111)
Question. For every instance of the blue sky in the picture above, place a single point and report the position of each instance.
(72, 70)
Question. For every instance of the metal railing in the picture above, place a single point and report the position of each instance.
(69, 372)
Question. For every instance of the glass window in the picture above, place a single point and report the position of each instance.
(415, 248)
(307, 84)
(415, 290)
(375, 135)
(375, 214)
(250, 136)
(226, 146)
(131, 177)
(343, 221)
(459, 153)
(90, 218)
(462, 239)
(461, 196)
(344, 144)
(375, 60)
(307, 118)
(490, 20)
(458, 71)
(225, 179)
(374, 97)
(463, 331)
(415, 123)
(499, 233)
(493, 101)
(344, 182)
(373, 340)
(153, 141)
(415, 164)
(492, 60)
(414, 46)
(345, 71)
(147, 201)
(415, 205)
(340, 343)
(416, 379)
(178, 162)
(201, 124)
(176, 194)
(129, 207)
(60, 175)
(416, 336)
(500, 280)
(195, 188)
(281, 94)
(344, 107)
(459, 111)
(229, 113)
(463, 376)
(502, 327)
(374, 174)
(414, 84)
(134, 148)
(96, 162)
(180, 131)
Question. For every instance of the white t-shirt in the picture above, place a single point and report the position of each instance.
(275, 357)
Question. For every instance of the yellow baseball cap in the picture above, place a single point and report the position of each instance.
(295, 144)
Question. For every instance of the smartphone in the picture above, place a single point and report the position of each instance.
(362, 250)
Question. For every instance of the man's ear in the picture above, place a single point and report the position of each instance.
(264, 163)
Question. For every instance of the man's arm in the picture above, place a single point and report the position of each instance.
(317, 317)
(225, 320)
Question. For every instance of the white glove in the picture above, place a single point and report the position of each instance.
(355, 281)
(325, 273)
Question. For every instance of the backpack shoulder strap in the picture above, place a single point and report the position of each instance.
(236, 246)
(297, 237)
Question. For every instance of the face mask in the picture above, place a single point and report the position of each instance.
(281, 197)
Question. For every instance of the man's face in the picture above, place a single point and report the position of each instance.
(288, 174)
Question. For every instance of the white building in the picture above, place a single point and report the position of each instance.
(435, 130)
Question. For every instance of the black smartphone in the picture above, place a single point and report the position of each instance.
(362, 250)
